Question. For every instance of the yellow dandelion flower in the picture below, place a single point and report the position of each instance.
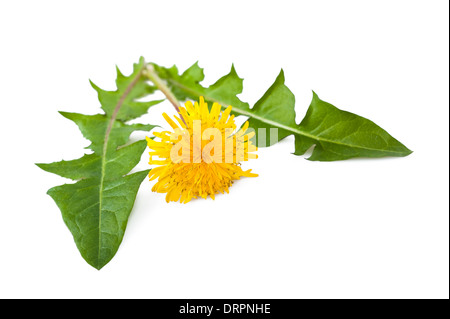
(202, 155)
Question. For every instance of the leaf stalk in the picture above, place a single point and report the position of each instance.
(151, 74)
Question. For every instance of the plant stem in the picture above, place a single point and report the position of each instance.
(151, 74)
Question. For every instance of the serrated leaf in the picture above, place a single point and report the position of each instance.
(336, 134)
(96, 212)
(181, 85)
(131, 108)
(339, 135)
(97, 206)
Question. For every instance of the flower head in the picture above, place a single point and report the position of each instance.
(202, 155)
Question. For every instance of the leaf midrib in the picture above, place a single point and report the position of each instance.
(294, 130)
(104, 153)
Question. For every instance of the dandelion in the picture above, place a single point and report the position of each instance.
(202, 156)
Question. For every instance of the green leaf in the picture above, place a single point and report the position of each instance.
(336, 134)
(127, 97)
(340, 135)
(96, 207)
(183, 86)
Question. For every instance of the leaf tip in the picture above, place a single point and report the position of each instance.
(280, 76)
(98, 267)
(41, 165)
(94, 86)
(67, 115)
(233, 69)
(119, 73)
(407, 152)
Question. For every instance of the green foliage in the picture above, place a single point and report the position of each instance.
(97, 206)
(336, 134)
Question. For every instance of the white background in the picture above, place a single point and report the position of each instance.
(350, 229)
